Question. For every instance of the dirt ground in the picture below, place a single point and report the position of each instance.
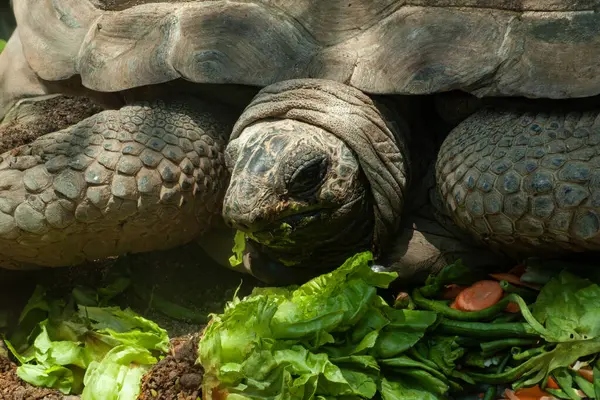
(182, 282)
(177, 288)
(58, 113)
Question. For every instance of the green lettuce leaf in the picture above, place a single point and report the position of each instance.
(107, 349)
(318, 340)
(118, 375)
(568, 308)
(239, 245)
(405, 389)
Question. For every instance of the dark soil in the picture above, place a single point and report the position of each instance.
(183, 277)
(13, 388)
(176, 376)
(58, 113)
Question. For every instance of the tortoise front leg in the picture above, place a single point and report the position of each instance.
(149, 176)
(527, 183)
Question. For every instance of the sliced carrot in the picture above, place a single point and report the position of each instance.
(552, 383)
(479, 296)
(453, 305)
(451, 291)
(515, 280)
(513, 308)
(534, 392)
(586, 373)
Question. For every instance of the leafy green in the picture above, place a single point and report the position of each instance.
(321, 339)
(568, 307)
(239, 245)
(2, 45)
(117, 376)
(100, 352)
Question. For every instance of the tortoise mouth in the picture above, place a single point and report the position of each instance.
(286, 232)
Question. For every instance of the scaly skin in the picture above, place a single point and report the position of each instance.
(290, 172)
(148, 176)
(526, 183)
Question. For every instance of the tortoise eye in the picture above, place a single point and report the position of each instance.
(308, 178)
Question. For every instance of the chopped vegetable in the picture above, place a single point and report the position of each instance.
(335, 337)
(479, 296)
(98, 352)
(239, 245)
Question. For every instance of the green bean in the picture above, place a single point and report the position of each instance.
(490, 394)
(527, 354)
(494, 346)
(486, 329)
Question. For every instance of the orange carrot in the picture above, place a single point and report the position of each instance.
(451, 291)
(479, 296)
(515, 280)
(552, 383)
(586, 373)
(530, 393)
(513, 308)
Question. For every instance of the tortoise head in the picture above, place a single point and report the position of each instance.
(301, 197)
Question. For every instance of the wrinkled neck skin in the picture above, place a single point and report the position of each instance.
(299, 194)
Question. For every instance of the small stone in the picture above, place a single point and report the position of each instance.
(36, 179)
(70, 184)
(29, 219)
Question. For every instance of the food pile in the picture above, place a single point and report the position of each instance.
(521, 335)
(81, 345)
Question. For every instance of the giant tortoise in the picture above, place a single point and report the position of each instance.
(307, 125)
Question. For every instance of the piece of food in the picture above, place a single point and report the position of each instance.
(98, 352)
(239, 245)
(479, 296)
